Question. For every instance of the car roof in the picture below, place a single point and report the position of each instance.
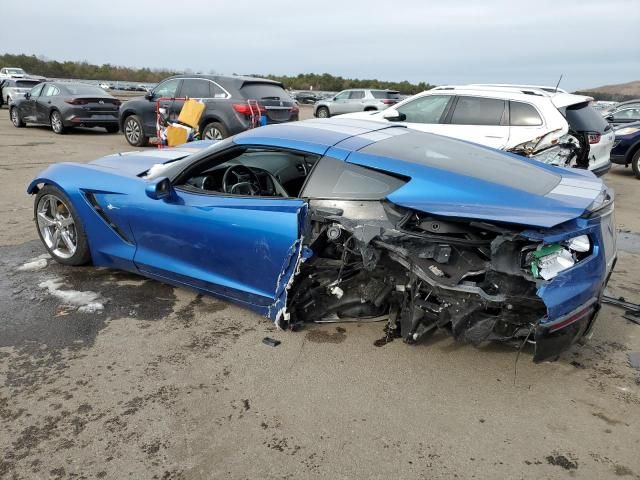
(319, 135)
(511, 92)
(236, 80)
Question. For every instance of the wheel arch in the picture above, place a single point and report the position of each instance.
(211, 117)
(631, 152)
(123, 117)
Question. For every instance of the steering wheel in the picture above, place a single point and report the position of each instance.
(247, 182)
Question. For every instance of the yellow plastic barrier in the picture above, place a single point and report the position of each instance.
(191, 112)
(176, 135)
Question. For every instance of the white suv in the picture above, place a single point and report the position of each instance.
(553, 127)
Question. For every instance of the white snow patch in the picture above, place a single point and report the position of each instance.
(92, 307)
(69, 297)
(33, 265)
(157, 169)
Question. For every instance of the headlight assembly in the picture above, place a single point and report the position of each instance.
(547, 261)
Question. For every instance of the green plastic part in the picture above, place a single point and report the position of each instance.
(543, 251)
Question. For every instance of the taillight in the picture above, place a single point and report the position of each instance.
(295, 109)
(76, 101)
(117, 102)
(245, 109)
(388, 101)
(594, 137)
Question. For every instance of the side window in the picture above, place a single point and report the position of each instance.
(336, 179)
(478, 111)
(523, 115)
(428, 109)
(627, 113)
(50, 91)
(215, 91)
(35, 91)
(167, 89)
(342, 96)
(195, 88)
(356, 95)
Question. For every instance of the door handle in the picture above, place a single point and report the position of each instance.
(49, 102)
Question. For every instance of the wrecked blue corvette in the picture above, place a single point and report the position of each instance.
(342, 220)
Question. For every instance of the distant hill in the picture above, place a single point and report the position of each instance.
(617, 93)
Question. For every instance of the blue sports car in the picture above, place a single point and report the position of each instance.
(348, 220)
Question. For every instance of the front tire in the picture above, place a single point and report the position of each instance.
(60, 228)
(323, 112)
(134, 132)
(635, 164)
(214, 131)
(16, 119)
(56, 122)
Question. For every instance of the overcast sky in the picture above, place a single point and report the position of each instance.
(454, 41)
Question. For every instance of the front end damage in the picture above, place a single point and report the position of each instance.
(373, 260)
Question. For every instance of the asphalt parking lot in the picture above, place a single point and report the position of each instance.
(166, 384)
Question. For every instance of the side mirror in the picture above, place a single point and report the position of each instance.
(27, 95)
(393, 115)
(149, 95)
(159, 189)
(609, 118)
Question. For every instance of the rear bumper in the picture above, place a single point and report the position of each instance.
(618, 159)
(75, 121)
(601, 170)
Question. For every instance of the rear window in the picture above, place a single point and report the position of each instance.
(478, 111)
(584, 118)
(77, 89)
(264, 91)
(26, 83)
(467, 159)
(386, 94)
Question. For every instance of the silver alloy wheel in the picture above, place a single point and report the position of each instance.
(14, 117)
(56, 225)
(213, 134)
(132, 130)
(56, 122)
(323, 113)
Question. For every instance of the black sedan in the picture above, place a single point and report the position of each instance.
(66, 105)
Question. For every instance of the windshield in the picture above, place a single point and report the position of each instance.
(15, 71)
(79, 89)
(26, 83)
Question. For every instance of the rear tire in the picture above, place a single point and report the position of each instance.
(323, 112)
(635, 164)
(112, 129)
(134, 132)
(59, 227)
(214, 131)
(15, 117)
(55, 119)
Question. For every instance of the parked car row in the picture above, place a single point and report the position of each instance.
(539, 122)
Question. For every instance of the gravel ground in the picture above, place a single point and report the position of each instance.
(165, 384)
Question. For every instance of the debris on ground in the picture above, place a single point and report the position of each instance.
(272, 342)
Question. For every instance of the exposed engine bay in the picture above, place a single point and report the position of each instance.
(375, 261)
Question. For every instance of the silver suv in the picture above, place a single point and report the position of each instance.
(356, 100)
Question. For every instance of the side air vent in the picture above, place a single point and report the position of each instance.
(93, 201)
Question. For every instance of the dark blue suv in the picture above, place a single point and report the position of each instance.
(626, 147)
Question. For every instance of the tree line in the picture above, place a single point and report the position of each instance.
(332, 83)
(87, 71)
(82, 70)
